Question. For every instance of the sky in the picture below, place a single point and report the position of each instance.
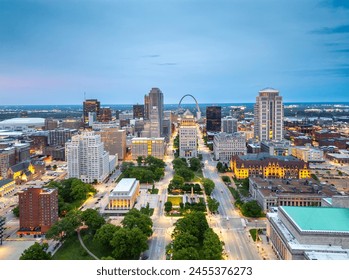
(220, 51)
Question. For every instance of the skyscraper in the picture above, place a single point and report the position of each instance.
(86, 158)
(268, 115)
(188, 136)
(213, 118)
(155, 101)
(105, 114)
(91, 105)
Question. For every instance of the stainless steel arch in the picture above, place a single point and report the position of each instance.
(197, 105)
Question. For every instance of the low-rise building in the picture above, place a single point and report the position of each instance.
(267, 166)
(7, 186)
(275, 192)
(143, 147)
(308, 154)
(338, 158)
(227, 145)
(276, 148)
(301, 233)
(124, 195)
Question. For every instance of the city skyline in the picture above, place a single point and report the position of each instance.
(116, 51)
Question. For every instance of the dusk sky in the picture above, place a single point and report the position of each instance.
(51, 52)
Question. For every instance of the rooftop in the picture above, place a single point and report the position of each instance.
(319, 218)
(23, 121)
(125, 185)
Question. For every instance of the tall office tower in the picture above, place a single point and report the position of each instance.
(146, 107)
(213, 118)
(114, 141)
(155, 99)
(268, 115)
(38, 209)
(229, 125)
(90, 105)
(155, 128)
(86, 158)
(104, 115)
(138, 111)
(188, 136)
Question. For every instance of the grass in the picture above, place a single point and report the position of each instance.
(253, 234)
(95, 247)
(72, 250)
(176, 200)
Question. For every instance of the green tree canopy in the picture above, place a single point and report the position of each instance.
(168, 206)
(105, 234)
(212, 248)
(36, 252)
(135, 219)
(251, 209)
(92, 219)
(208, 185)
(189, 253)
(213, 204)
(195, 164)
(194, 223)
(65, 227)
(179, 163)
(186, 173)
(185, 240)
(128, 244)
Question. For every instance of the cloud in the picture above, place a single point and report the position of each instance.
(167, 64)
(341, 29)
(341, 51)
(151, 55)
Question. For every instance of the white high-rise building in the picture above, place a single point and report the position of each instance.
(229, 125)
(86, 158)
(155, 128)
(188, 136)
(268, 115)
(227, 145)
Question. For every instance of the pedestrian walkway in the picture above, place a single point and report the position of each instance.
(83, 245)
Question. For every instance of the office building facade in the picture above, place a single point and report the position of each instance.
(213, 118)
(229, 125)
(188, 136)
(90, 105)
(268, 115)
(225, 146)
(86, 158)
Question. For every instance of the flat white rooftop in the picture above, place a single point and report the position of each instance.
(125, 185)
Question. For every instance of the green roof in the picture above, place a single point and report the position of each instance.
(319, 218)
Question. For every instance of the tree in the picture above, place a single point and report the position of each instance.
(128, 244)
(212, 248)
(16, 211)
(105, 234)
(140, 160)
(54, 167)
(176, 183)
(135, 219)
(179, 163)
(36, 252)
(186, 173)
(208, 185)
(185, 240)
(195, 164)
(168, 206)
(251, 209)
(189, 253)
(212, 204)
(66, 226)
(220, 167)
(194, 223)
(93, 219)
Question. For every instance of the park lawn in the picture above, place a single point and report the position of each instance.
(96, 248)
(71, 250)
(175, 200)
